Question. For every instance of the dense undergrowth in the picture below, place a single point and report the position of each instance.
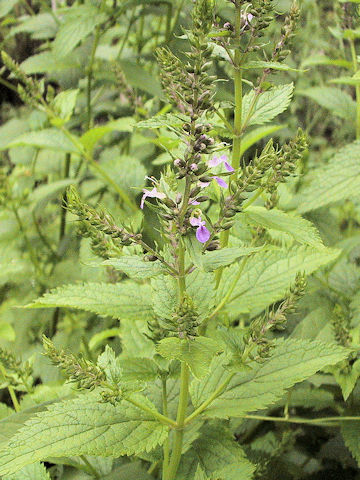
(179, 238)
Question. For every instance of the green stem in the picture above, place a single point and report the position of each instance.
(323, 421)
(162, 418)
(63, 203)
(180, 421)
(33, 256)
(166, 447)
(213, 397)
(357, 88)
(168, 23)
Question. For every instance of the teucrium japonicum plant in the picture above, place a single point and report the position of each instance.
(203, 310)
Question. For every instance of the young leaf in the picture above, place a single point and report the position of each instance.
(269, 104)
(267, 275)
(108, 362)
(220, 456)
(64, 104)
(292, 362)
(136, 267)
(351, 434)
(333, 182)
(197, 352)
(300, 229)
(83, 426)
(122, 300)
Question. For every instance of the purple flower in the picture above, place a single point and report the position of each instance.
(223, 159)
(202, 233)
(151, 194)
(219, 180)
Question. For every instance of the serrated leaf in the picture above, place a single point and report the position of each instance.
(140, 78)
(323, 60)
(256, 135)
(136, 267)
(79, 22)
(260, 64)
(37, 471)
(74, 428)
(268, 105)
(64, 104)
(200, 474)
(50, 138)
(6, 6)
(336, 181)
(211, 261)
(267, 276)
(41, 26)
(219, 454)
(108, 362)
(165, 120)
(47, 62)
(333, 99)
(134, 340)
(197, 353)
(165, 296)
(351, 434)
(139, 368)
(300, 229)
(292, 362)
(121, 300)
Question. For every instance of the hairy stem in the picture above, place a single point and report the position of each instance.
(180, 421)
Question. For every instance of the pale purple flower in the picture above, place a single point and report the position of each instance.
(219, 180)
(151, 194)
(215, 161)
(202, 233)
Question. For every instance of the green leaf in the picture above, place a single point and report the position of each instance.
(134, 340)
(300, 229)
(333, 99)
(74, 428)
(165, 296)
(165, 120)
(200, 474)
(47, 62)
(211, 261)
(37, 471)
(41, 26)
(64, 105)
(7, 331)
(135, 267)
(108, 362)
(139, 368)
(79, 22)
(6, 6)
(140, 78)
(354, 80)
(323, 60)
(267, 276)
(268, 105)
(292, 362)
(121, 300)
(129, 471)
(334, 182)
(44, 194)
(260, 64)
(50, 138)
(100, 337)
(351, 434)
(90, 138)
(258, 134)
(197, 353)
(218, 453)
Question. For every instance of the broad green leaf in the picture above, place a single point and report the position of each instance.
(354, 80)
(74, 428)
(300, 229)
(50, 138)
(134, 340)
(351, 434)
(44, 194)
(258, 134)
(201, 288)
(129, 471)
(211, 261)
(108, 362)
(165, 296)
(6, 6)
(197, 353)
(323, 60)
(138, 368)
(78, 23)
(64, 104)
(90, 138)
(140, 78)
(315, 326)
(37, 471)
(267, 106)
(47, 62)
(292, 362)
(7, 331)
(218, 453)
(135, 267)
(333, 99)
(267, 276)
(121, 300)
(41, 26)
(334, 182)
(260, 64)
(306, 396)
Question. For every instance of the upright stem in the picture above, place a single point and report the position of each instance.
(11, 391)
(180, 420)
(357, 88)
(166, 447)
